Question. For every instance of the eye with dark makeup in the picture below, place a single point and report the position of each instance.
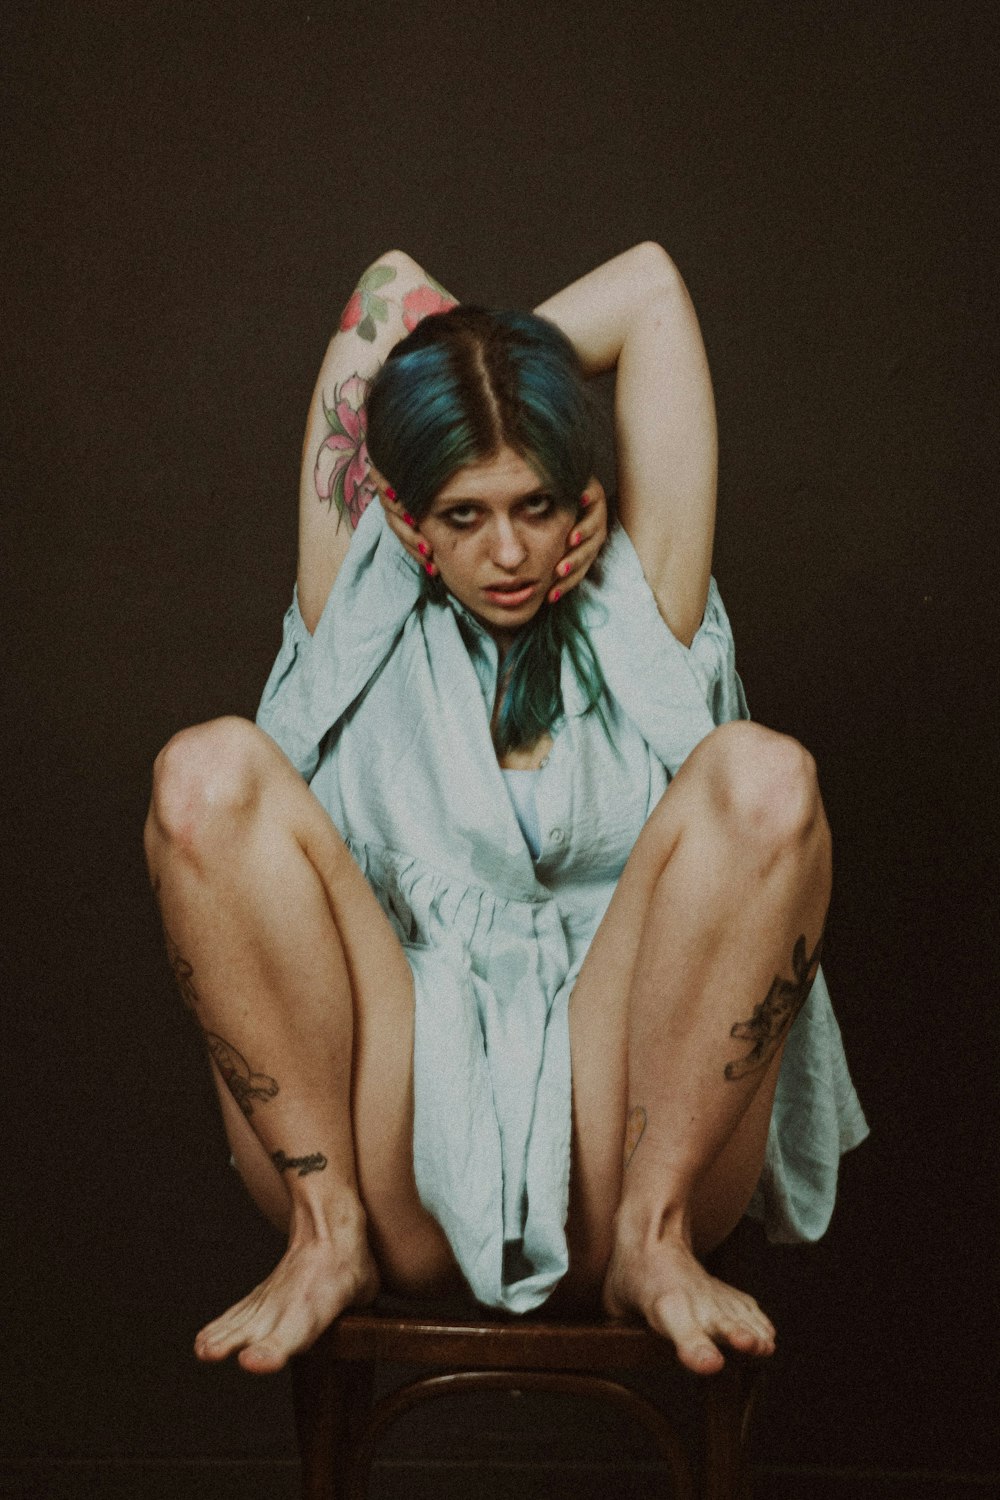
(463, 517)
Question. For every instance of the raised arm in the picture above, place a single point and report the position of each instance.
(633, 314)
(335, 483)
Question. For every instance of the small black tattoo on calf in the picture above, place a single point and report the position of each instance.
(304, 1164)
(183, 973)
(241, 1081)
(635, 1128)
(772, 1018)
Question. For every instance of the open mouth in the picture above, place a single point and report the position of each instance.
(511, 595)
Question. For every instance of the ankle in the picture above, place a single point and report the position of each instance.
(332, 1216)
(645, 1220)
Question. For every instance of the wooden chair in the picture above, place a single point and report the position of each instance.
(339, 1423)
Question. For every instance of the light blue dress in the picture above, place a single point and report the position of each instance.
(385, 710)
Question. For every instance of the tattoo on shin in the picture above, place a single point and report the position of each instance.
(242, 1082)
(772, 1018)
(183, 973)
(634, 1130)
(303, 1164)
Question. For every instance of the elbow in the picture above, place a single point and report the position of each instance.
(654, 269)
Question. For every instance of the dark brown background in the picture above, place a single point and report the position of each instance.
(192, 191)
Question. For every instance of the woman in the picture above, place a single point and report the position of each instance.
(507, 996)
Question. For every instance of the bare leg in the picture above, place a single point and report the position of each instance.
(704, 958)
(305, 998)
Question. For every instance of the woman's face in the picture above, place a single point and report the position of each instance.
(496, 537)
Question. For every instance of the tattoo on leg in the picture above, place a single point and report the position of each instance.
(634, 1130)
(241, 1081)
(183, 973)
(772, 1018)
(305, 1164)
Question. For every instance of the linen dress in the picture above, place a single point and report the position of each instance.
(385, 711)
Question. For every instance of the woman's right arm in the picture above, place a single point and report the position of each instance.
(335, 484)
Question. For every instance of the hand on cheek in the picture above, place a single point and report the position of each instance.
(584, 542)
(404, 526)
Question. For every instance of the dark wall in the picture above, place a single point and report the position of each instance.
(193, 190)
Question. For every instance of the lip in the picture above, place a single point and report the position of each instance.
(512, 598)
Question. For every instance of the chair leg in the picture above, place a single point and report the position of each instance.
(728, 1400)
(330, 1398)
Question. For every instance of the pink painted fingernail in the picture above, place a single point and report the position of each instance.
(585, 498)
(422, 548)
(430, 569)
(556, 596)
(408, 518)
(390, 494)
(564, 568)
(575, 539)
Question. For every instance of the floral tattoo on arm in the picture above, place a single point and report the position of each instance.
(366, 308)
(343, 469)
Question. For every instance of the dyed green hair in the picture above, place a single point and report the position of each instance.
(463, 385)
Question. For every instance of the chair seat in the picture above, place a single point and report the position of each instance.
(521, 1344)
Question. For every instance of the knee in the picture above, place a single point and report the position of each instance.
(765, 786)
(203, 779)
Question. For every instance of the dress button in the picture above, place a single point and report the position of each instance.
(557, 835)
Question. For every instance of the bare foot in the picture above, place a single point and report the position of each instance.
(310, 1286)
(665, 1282)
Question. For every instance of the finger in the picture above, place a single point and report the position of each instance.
(585, 530)
(593, 493)
(586, 534)
(566, 581)
(583, 548)
(416, 545)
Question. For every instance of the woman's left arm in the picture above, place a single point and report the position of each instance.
(633, 314)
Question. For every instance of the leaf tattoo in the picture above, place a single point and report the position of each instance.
(366, 308)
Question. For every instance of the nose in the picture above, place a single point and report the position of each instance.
(509, 551)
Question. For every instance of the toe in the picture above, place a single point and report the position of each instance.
(743, 1337)
(262, 1358)
(702, 1357)
(749, 1337)
(695, 1349)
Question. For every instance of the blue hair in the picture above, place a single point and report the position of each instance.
(463, 385)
